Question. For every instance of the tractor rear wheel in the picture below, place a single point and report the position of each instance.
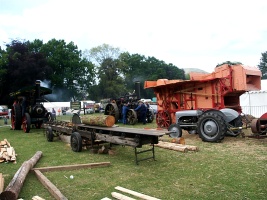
(150, 116)
(131, 117)
(163, 119)
(112, 109)
(175, 130)
(26, 123)
(211, 127)
(76, 142)
(16, 117)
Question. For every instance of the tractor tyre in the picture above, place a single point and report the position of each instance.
(16, 118)
(211, 127)
(26, 123)
(49, 134)
(175, 130)
(150, 116)
(76, 142)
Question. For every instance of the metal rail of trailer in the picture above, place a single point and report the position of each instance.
(86, 135)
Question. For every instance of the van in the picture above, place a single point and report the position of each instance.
(3, 110)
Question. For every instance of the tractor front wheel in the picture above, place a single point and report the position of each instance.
(16, 117)
(175, 131)
(211, 127)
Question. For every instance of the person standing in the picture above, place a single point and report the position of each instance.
(141, 108)
(125, 109)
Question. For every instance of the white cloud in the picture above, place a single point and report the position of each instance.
(186, 33)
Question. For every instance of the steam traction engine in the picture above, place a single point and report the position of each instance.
(28, 109)
(114, 107)
(207, 104)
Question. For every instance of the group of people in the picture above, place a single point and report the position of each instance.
(141, 109)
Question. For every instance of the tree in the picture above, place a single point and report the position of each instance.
(21, 68)
(263, 65)
(73, 75)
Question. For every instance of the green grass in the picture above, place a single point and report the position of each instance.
(233, 169)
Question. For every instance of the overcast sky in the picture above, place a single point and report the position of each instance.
(186, 33)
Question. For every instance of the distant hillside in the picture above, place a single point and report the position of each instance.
(188, 70)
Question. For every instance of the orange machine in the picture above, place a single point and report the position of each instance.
(215, 91)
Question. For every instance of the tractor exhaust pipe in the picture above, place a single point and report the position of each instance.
(137, 89)
(37, 90)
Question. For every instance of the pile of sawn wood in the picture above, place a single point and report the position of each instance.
(7, 152)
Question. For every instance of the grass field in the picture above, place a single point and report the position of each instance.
(233, 169)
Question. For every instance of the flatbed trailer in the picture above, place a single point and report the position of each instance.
(86, 135)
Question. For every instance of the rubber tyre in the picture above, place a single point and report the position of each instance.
(49, 134)
(76, 142)
(211, 127)
(16, 117)
(150, 116)
(26, 124)
(176, 129)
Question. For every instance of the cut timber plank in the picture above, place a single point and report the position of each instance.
(120, 196)
(72, 167)
(50, 186)
(37, 198)
(106, 198)
(137, 194)
(1, 183)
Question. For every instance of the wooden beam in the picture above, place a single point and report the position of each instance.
(50, 186)
(1, 183)
(72, 167)
(121, 196)
(12, 190)
(137, 194)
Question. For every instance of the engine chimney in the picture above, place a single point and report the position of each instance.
(137, 89)
(37, 90)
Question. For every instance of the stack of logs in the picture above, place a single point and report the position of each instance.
(7, 152)
(176, 144)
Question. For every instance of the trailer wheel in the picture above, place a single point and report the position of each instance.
(175, 130)
(26, 123)
(211, 127)
(112, 109)
(16, 117)
(131, 117)
(76, 142)
(49, 134)
(163, 119)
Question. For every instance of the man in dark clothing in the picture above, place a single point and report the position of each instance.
(142, 111)
(125, 109)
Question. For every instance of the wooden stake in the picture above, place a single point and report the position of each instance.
(137, 194)
(50, 186)
(12, 190)
(72, 167)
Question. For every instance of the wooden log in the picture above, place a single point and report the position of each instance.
(1, 183)
(137, 194)
(179, 140)
(168, 145)
(12, 190)
(98, 120)
(72, 167)
(50, 186)
(120, 196)
(190, 147)
(37, 198)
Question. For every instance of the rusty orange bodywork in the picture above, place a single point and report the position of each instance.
(217, 90)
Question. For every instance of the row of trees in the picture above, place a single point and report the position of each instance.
(101, 72)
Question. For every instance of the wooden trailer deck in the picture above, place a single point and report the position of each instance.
(87, 135)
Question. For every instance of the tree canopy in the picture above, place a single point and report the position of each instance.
(101, 72)
(263, 65)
